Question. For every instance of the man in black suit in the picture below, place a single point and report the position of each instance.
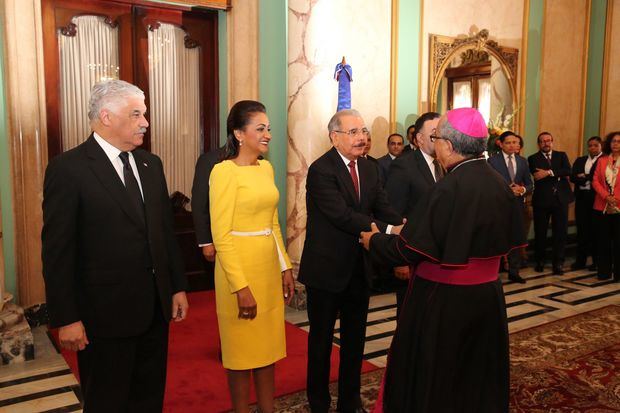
(411, 175)
(395, 145)
(200, 201)
(112, 266)
(343, 196)
(413, 145)
(581, 176)
(515, 171)
(552, 195)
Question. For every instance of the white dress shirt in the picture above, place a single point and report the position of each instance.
(113, 154)
(514, 162)
(587, 168)
(429, 160)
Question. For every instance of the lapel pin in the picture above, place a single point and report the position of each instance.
(144, 163)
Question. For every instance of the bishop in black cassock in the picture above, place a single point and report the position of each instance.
(450, 349)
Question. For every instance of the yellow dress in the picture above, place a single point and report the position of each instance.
(244, 200)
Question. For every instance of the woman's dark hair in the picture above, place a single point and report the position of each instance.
(596, 138)
(238, 118)
(607, 144)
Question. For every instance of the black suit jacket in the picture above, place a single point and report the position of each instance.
(384, 163)
(200, 195)
(578, 168)
(336, 217)
(547, 189)
(102, 263)
(409, 178)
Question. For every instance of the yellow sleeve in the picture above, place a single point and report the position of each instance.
(285, 262)
(223, 196)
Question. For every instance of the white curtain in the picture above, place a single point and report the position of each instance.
(174, 87)
(87, 57)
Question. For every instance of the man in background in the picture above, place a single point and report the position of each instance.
(552, 195)
(395, 145)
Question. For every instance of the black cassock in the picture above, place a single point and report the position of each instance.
(450, 349)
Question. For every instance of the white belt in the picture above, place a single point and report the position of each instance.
(266, 232)
(251, 233)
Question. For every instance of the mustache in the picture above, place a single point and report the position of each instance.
(360, 145)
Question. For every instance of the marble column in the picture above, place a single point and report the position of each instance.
(27, 139)
(321, 32)
(242, 30)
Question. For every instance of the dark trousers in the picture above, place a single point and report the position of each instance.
(323, 309)
(401, 293)
(126, 374)
(608, 229)
(586, 241)
(558, 213)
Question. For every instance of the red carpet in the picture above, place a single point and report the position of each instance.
(196, 378)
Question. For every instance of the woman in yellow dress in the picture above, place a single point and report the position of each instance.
(253, 278)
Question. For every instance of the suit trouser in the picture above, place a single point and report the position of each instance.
(558, 212)
(586, 241)
(323, 309)
(126, 374)
(608, 228)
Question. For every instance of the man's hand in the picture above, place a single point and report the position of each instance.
(518, 190)
(541, 173)
(611, 200)
(246, 303)
(402, 273)
(366, 235)
(209, 252)
(73, 336)
(395, 230)
(179, 306)
(288, 286)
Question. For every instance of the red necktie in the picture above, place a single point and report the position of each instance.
(356, 183)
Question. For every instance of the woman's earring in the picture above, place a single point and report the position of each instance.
(240, 143)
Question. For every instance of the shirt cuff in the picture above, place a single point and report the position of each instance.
(204, 245)
(551, 172)
(388, 229)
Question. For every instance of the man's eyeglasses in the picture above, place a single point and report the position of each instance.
(355, 132)
(435, 137)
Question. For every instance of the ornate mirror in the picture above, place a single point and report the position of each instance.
(474, 72)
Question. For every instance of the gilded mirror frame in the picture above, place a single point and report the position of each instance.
(444, 48)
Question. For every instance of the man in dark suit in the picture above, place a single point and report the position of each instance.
(112, 266)
(515, 171)
(412, 145)
(411, 175)
(581, 176)
(552, 195)
(200, 201)
(343, 196)
(395, 145)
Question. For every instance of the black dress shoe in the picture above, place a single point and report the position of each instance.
(603, 277)
(539, 267)
(558, 271)
(516, 278)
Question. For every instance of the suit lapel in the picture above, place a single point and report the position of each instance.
(364, 173)
(109, 179)
(423, 167)
(501, 162)
(342, 172)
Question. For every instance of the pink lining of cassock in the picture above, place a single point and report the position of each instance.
(477, 271)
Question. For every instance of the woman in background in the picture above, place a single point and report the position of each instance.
(253, 278)
(607, 208)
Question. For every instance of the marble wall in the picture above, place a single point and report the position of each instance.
(321, 32)
(610, 107)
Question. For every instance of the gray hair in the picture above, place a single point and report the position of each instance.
(334, 122)
(110, 94)
(463, 144)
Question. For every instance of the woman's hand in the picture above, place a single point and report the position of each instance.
(247, 303)
(288, 286)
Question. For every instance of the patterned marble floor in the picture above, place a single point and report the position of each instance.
(47, 385)
(544, 298)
